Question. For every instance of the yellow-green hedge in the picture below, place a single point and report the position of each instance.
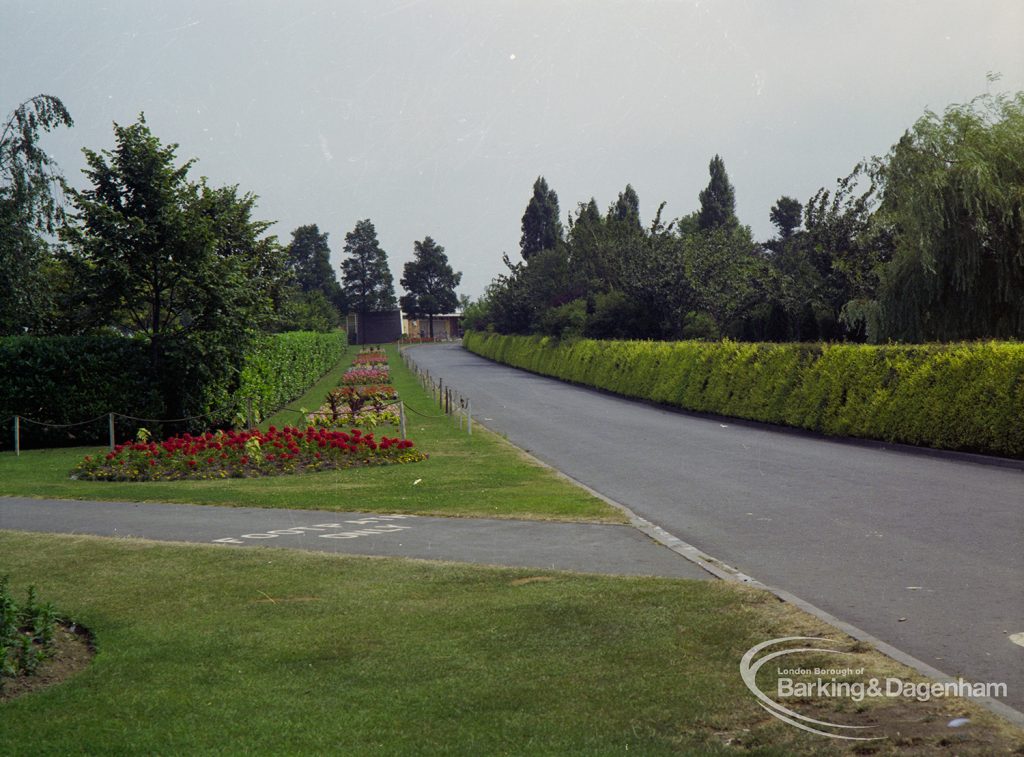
(950, 396)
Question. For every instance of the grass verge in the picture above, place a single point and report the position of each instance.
(482, 475)
(206, 649)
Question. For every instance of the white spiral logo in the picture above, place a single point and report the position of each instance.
(748, 671)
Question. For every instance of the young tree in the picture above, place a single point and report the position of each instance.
(718, 200)
(28, 209)
(366, 277)
(430, 283)
(542, 229)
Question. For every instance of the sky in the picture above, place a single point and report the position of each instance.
(434, 117)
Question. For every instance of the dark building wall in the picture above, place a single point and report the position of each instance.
(375, 328)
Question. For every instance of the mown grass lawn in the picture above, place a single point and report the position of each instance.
(481, 475)
(212, 650)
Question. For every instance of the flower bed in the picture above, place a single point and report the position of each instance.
(245, 454)
(370, 358)
(368, 405)
(364, 376)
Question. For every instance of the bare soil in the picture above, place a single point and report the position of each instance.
(72, 651)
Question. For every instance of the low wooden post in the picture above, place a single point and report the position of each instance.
(110, 424)
(469, 416)
(401, 418)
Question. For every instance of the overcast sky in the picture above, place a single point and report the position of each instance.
(435, 117)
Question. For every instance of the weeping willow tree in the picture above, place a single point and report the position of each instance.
(952, 196)
(29, 211)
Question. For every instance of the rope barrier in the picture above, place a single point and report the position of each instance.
(61, 425)
(422, 415)
(210, 414)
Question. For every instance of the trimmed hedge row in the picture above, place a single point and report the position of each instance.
(65, 380)
(966, 397)
(280, 367)
(69, 379)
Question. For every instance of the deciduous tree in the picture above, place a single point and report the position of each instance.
(180, 263)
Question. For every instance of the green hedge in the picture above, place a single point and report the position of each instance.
(66, 380)
(951, 396)
(63, 379)
(281, 367)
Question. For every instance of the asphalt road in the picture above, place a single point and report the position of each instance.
(924, 552)
(583, 547)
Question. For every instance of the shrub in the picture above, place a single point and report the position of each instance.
(26, 632)
(950, 396)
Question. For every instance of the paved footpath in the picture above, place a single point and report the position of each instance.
(922, 551)
(584, 547)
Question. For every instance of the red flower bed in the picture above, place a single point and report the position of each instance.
(245, 454)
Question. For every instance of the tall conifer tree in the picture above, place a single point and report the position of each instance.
(367, 281)
(542, 229)
(718, 200)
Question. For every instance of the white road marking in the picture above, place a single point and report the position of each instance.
(379, 525)
(1018, 638)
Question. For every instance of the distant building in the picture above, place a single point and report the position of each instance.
(374, 328)
(447, 326)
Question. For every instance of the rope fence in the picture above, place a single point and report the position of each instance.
(451, 402)
(111, 419)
